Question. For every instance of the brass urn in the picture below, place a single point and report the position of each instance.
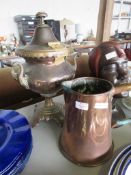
(46, 66)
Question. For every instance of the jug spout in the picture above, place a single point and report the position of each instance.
(67, 85)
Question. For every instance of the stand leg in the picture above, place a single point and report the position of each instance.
(50, 111)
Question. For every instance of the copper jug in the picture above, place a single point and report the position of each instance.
(86, 136)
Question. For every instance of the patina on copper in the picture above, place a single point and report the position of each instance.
(86, 137)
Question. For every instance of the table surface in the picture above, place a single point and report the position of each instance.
(46, 158)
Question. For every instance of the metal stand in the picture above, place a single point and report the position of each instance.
(50, 111)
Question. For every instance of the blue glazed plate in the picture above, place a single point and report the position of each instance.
(121, 162)
(15, 142)
(127, 168)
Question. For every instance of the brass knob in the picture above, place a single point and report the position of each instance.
(40, 16)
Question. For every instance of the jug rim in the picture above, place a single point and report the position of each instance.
(87, 78)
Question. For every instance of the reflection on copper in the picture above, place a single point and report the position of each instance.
(98, 127)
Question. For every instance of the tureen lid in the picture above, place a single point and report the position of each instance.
(44, 42)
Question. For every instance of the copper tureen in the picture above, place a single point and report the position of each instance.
(46, 66)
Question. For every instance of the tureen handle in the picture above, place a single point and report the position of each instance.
(18, 74)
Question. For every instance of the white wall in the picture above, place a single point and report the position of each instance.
(84, 12)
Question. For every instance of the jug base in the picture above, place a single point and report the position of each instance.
(96, 162)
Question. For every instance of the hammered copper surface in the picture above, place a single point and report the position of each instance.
(46, 80)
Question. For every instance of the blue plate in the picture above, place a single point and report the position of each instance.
(124, 160)
(121, 162)
(127, 168)
(15, 142)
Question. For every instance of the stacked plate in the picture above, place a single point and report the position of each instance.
(15, 142)
(122, 163)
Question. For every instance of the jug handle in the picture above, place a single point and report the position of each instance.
(18, 74)
(121, 88)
